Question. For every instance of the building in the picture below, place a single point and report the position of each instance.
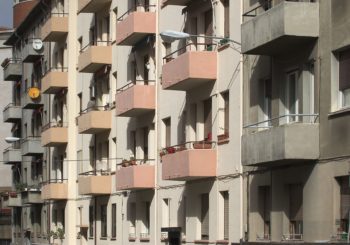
(295, 131)
(5, 129)
(131, 136)
(127, 138)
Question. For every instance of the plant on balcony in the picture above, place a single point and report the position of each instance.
(130, 162)
(58, 234)
(20, 186)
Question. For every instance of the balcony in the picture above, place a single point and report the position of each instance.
(12, 199)
(55, 27)
(12, 113)
(54, 190)
(176, 2)
(31, 196)
(189, 69)
(12, 69)
(189, 161)
(94, 56)
(32, 99)
(281, 144)
(54, 134)
(95, 183)
(135, 99)
(135, 25)
(92, 6)
(12, 154)
(94, 120)
(31, 146)
(32, 51)
(55, 80)
(288, 24)
(134, 175)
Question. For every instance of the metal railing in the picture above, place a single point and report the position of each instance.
(56, 69)
(62, 14)
(13, 104)
(9, 61)
(30, 138)
(188, 48)
(342, 236)
(135, 162)
(54, 181)
(58, 124)
(94, 108)
(292, 237)
(290, 117)
(263, 237)
(133, 83)
(255, 11)
(197, 145)
(146, 8)
(96, 172)
(96, 43)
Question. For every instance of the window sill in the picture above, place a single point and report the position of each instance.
(144, 239)
(132, 239)
(339, 112)
(222, 242)
(103, 238)
(113, 239)
(201, 241)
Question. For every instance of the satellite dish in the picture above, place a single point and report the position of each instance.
(37, 44)
(11, 139)
(171, 36)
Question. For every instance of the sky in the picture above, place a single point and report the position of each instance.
(6, 13)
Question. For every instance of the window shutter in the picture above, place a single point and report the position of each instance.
(205, 216)
(344, 70)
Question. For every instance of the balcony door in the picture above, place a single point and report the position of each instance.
(291, 97)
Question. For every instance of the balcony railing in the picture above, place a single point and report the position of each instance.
(94, 119)
(12, 112)
(58, 124)
(95, 182)
(284, 119)
(263, 237)
(339, 237)
(145, 8)
(292, 237)
(190, 145)
(258, 9)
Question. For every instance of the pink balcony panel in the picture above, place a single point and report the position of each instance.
(135, 177)
(135, 101)
(54, 191)
(189, 164)
(136, 26)
(95, 185)
(190, 70)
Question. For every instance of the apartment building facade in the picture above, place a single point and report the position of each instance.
(294, 139)
(5, 170)
(126, 138)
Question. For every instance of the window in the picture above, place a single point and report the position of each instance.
(54, 217)
(295, 209)
(226, 213)
(147, 217)
(344, 203)
(103, 221)
(226, 5)
(145, 143)
(265, 209)
(167, 132)
(133, 142)
(166, 212)
(267, 101)
(132, 220)
(205, 216)
(207, 119)
(114, 221)
(344, 78)
(91, 221)
(226, 99)
(291, 97)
